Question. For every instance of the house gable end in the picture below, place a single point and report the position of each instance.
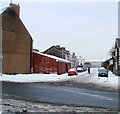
(12, 23)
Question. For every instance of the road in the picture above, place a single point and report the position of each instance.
(62, 95)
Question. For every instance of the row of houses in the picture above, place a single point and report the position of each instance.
(113, 63)
(19, 55)
(63, 53)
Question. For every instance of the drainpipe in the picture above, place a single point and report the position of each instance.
(31, 56)
(1, 56)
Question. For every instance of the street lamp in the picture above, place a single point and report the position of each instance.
(1, 56)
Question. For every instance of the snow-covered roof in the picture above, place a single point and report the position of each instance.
(72, 69)
(79, 68)
(101, 68)
(53, 57)
(3, 9)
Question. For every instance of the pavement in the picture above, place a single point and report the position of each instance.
(13, 104)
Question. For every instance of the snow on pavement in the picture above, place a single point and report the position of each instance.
(32, 77)
(111, 81)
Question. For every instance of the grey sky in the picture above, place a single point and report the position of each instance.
(87, 28)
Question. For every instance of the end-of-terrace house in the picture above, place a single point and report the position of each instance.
(116, 57)
(16, 42)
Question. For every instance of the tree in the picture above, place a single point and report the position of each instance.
(111, 51)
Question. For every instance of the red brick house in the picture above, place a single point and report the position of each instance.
(44, 63)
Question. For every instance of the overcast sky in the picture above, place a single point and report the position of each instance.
(87, 28)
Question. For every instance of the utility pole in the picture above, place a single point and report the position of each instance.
(10, 1)
(1, 56)
(101, 61)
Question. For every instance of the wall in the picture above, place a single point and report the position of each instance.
(17, 45)
(43, 64)
(63, 67)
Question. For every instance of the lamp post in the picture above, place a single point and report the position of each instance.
(1, 56)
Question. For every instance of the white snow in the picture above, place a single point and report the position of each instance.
(111, 81)
(53, 57)
(72, 69)
(32, 77)
(79, 68)
(101, 68)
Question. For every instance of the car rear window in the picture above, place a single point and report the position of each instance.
(102, 70)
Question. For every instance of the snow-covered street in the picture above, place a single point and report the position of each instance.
(111, 81)
(84, 77)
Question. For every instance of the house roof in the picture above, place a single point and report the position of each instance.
(58, 48)
(8, 9)
(3, 9)
(53, 57)
(49, 49)
(12, 22)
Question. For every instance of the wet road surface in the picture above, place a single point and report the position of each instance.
(62, 95)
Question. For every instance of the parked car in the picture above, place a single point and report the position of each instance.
(85, 68)
(79, 69)
(72, 72)
(102, 72)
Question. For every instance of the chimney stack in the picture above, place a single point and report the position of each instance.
(63, 48)
(58, 46)
(16, 8)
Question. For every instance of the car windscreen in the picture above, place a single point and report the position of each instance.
(103, 70)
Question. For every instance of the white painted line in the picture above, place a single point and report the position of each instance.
(93, 95)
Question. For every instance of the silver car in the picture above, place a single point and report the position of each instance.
(102, 72)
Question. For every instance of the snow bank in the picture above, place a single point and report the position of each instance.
(32, 77)
(111, 81)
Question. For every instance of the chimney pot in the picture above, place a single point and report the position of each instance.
(16, 8)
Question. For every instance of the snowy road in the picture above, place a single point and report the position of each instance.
(110, 83)
(103, 83)
(112, 79)
(63, 95)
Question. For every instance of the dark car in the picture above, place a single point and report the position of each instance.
(102, 72)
